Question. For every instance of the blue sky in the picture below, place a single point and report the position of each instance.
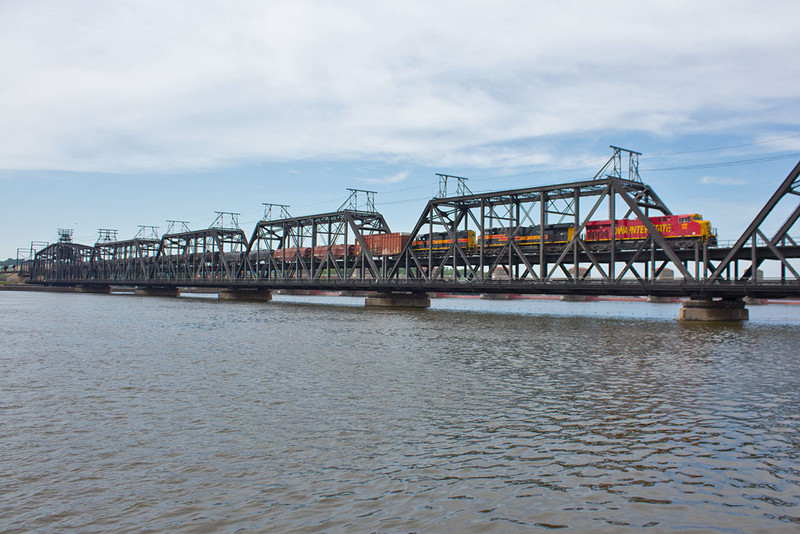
(116, 114)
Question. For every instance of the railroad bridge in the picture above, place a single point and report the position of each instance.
(538, 240)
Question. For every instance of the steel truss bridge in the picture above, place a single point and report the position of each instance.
(224, 257)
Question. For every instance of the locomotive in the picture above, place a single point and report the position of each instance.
(682, 230)
(443, 241)
(528, 236)
(686, 228)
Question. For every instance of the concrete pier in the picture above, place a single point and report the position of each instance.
(398, 300)
(148, 291)
(714, 310)
(495, 296)
(246, 295)
(93, 289)
(660, 300)
(575, 298)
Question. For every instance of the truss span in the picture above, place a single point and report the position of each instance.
(609, 235)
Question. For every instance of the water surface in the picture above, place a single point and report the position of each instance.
(314, 414)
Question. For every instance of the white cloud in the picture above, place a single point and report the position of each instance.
(394, 179)
(93, 85)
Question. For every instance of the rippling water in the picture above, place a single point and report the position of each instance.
(194, 415)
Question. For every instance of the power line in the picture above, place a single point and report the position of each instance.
(726, 163)
(713, 149)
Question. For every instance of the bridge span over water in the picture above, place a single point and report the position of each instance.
(538, 240)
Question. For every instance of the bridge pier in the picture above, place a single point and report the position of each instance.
(496, 296)
(575, 298)
(157, 291)
(398, 300)
(93, 289)
(659, 300)
(246, 295)
(713, 310)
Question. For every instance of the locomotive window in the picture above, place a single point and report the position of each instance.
(697, 217)
(683, 219)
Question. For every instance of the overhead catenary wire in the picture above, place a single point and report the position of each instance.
(725, 163)
(714, 149)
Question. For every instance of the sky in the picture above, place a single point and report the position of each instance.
(127, 113)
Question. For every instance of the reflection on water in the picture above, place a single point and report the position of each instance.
(128, 414)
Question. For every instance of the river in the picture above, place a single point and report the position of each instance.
(311, 414)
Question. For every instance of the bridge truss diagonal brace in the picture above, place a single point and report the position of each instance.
(408, 251)
(452, 231)
(576, 240)
(375, 271)
(787, 187)
(655, 234)
(629, 266)
(778, 255)
(510, 244)
(783, 232)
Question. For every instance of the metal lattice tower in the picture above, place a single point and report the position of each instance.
(614, 169)
(461, 187)
(147, 232)
(219, 222)
(352, 201)
(183, 226)
(106, 235)
(65, 235)
(268, 207)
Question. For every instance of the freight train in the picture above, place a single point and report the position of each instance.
(680, 230)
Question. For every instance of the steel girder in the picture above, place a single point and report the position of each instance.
(132, 259)
(753, 247)
(514, 210)
(209, 255)
(62, 262)
(328, 246)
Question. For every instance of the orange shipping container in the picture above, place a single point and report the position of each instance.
(386, 244)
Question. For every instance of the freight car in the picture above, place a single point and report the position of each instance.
(336, 251)
(290, 254)
(386, 244)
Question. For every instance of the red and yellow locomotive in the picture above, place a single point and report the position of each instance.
(682, 227)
